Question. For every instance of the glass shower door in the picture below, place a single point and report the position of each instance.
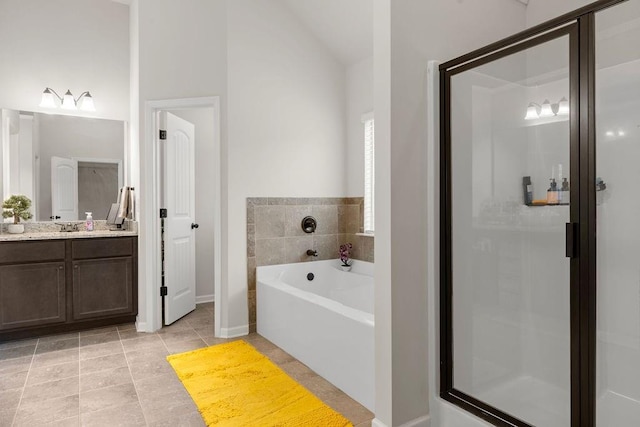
(617, 76)
(508, 201)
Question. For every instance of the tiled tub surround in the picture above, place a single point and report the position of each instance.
(274, 234)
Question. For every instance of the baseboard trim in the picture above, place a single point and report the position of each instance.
(204, 298)
(418, 422)
(238, 331)
(141, 326)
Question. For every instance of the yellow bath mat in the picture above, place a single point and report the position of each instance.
(234, 385)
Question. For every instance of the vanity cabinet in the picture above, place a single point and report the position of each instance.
(102, 277)
(32, 284)
(52, 286)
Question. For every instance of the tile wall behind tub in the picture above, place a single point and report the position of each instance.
(275, 236)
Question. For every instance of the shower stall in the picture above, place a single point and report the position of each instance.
(539, 230)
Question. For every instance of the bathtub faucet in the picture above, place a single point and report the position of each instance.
(311, 252)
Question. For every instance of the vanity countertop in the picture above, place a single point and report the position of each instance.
(53, 235)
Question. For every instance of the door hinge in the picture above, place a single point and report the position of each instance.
(163, 291)
(163, 212)
(163, 134)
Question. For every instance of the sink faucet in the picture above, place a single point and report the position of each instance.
(68, 227)
(311, 252)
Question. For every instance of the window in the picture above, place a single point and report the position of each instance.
(369, 172)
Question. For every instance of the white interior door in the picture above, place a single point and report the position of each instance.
(179, 200)
(64, 188)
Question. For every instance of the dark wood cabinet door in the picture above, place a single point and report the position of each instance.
(103, 287)
(32, 295)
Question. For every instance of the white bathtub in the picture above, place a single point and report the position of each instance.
(326, 323)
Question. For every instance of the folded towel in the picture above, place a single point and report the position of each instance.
(126, 203)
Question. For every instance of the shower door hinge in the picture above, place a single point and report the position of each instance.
(163, 134)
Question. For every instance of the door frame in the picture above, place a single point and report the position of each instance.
(108, 161)
(150, 208)
(448, 391)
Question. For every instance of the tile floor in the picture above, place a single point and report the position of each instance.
(115, 376)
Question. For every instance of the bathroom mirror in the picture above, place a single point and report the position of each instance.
(67, 165)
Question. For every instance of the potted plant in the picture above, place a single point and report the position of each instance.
(345, 252)
(17, 207)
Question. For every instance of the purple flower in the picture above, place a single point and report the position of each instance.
(345, 251)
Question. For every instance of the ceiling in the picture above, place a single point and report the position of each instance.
(345, 27)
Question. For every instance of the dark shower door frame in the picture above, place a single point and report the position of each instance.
(579, 25)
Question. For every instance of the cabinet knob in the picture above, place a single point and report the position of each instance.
(60, 268)
(75, 266)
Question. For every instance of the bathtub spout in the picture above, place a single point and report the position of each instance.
(311, 252)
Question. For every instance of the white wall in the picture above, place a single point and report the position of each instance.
(286, 122)
(66, 136)
(182, 54)
(73, 44)
(359, 101)
(382, 268)
(419, 31)
(202, 119)
(539, 11)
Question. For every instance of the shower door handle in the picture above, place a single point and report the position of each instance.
(571, 229)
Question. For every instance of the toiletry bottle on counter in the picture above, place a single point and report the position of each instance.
(563, 198)
(89, 222)
(552, 193)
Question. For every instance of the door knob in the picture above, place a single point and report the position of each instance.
(194, 225)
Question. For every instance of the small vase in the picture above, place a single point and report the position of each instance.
(15, 228)
(345, 267)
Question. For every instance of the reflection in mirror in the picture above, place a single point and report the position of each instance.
(66, 165)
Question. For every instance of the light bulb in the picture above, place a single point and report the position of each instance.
(48, 101)
(563, 107)
(68, 103)
(545, 110)
(87, 103)
(532, 112)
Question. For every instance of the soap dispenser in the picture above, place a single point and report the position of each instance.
(552, 193)
(89, 222)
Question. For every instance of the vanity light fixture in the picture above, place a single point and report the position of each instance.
(547, 109)
(615, 134)
(67, 102)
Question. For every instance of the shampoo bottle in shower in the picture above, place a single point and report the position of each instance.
(89, 222)
(527, 190)
(564, 192)
(552, 193)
